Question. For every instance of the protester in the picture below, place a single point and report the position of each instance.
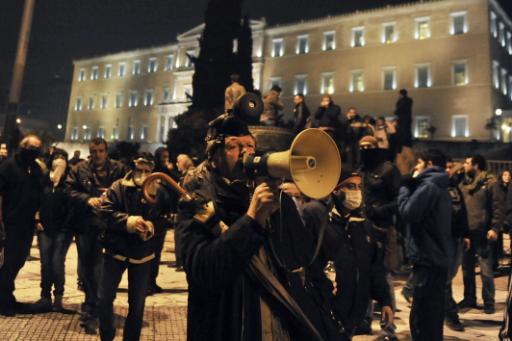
(485, 205)
(21, 187)
(233, 92)
(301, 114)
(87, 184)
(403, 112)
(54, 234)
(271, 107)
(327, 116)
(227, 300)
(128, 238)
(424, 204)
(357, 258)
(75, 159)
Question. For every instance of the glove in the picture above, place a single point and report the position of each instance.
(188, 208)
(408, 181)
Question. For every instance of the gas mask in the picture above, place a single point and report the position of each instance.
(57, 171)
(353, 199)
(139, 176)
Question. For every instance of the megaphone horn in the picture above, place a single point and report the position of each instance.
(313, 163)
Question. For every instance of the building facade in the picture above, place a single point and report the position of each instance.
(453, 56)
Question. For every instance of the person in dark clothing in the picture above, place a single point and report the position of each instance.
(425, 205)
(54, 235)
(163, 163)
(300, 113)
(87, 184)
(21, 187)
(128, 240)
(349, 244)
(75, 159)
(503, 184)
(353, 129)
(484, 203)
(460, 243)
(327, 116)
(226, 252)
(403, 111)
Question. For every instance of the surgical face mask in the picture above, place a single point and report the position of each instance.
(139, 176)
(353, 199)
(58, 169)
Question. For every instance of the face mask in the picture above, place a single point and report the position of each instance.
(370, 157)
(58, 169)
(353, 200)
(28, 155)
(139, 176)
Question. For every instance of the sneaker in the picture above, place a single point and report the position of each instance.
(454, 323)
(465, 305)
(489, 309)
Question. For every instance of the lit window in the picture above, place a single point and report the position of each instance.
(389, 79)
(108, 71)
(302, 44)
(104, 100)
(81, 75)
(327, 83)
(115, 134)
(459, 23)
(496, 74)
(169, 62)
(494, 25)
(509, 43)
(422, 28)
(356, 81)
(148, 97)
(422, 127)
(166, 94)
(100, 132)
(277, 47)
(460, 126)
(78, 104)
(504, 81)
(161, 132)
(172, 123)
(358, 36)
(301, 84)
(136, 67)
(329, 42)
(460, 73)
(502, 35)
(131, 133)
(275, 81)
(121, 72)
(144, 133)
(152, 65)
(235, 45)
(119, 100)
(91, 103)
(191, 53)
(423, 77)
(389, 35)
(74, 134)
(133, 101)
(94, 73)
(87, 133)
(188, 91)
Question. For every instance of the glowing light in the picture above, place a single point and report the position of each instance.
(18, 120)
(84, 127)
(498, 112)
(59, 126)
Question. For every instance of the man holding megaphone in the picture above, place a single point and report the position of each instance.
(236, 288)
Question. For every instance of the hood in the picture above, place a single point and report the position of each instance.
(436, 175)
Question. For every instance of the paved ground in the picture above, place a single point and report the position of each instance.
(165, 315)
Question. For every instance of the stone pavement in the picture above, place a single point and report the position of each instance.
(165, 314)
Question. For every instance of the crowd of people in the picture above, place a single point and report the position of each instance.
(263, 261)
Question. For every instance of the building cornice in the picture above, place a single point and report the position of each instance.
(405, 8)
(497, 7)
(120, 56)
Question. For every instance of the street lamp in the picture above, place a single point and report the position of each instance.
(59, 126)
(18, 120)
(498, 112)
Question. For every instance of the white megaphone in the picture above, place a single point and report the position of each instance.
(313, 163)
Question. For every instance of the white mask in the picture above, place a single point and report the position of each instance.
(58, 169)
(353, 200)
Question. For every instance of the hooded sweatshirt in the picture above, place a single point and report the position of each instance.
(427, 210)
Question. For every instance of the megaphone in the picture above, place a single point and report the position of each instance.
(313, 163)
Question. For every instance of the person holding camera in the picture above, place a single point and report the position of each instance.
(129, 245)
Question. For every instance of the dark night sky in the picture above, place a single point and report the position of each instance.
(64, 30)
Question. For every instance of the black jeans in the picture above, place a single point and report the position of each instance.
(427, 312)
(53, 249)
(155, 263)
(138, 275)
(483, 250)
(17, 247)
(90, 259)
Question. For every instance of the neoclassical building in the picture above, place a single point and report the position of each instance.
(453, 56)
